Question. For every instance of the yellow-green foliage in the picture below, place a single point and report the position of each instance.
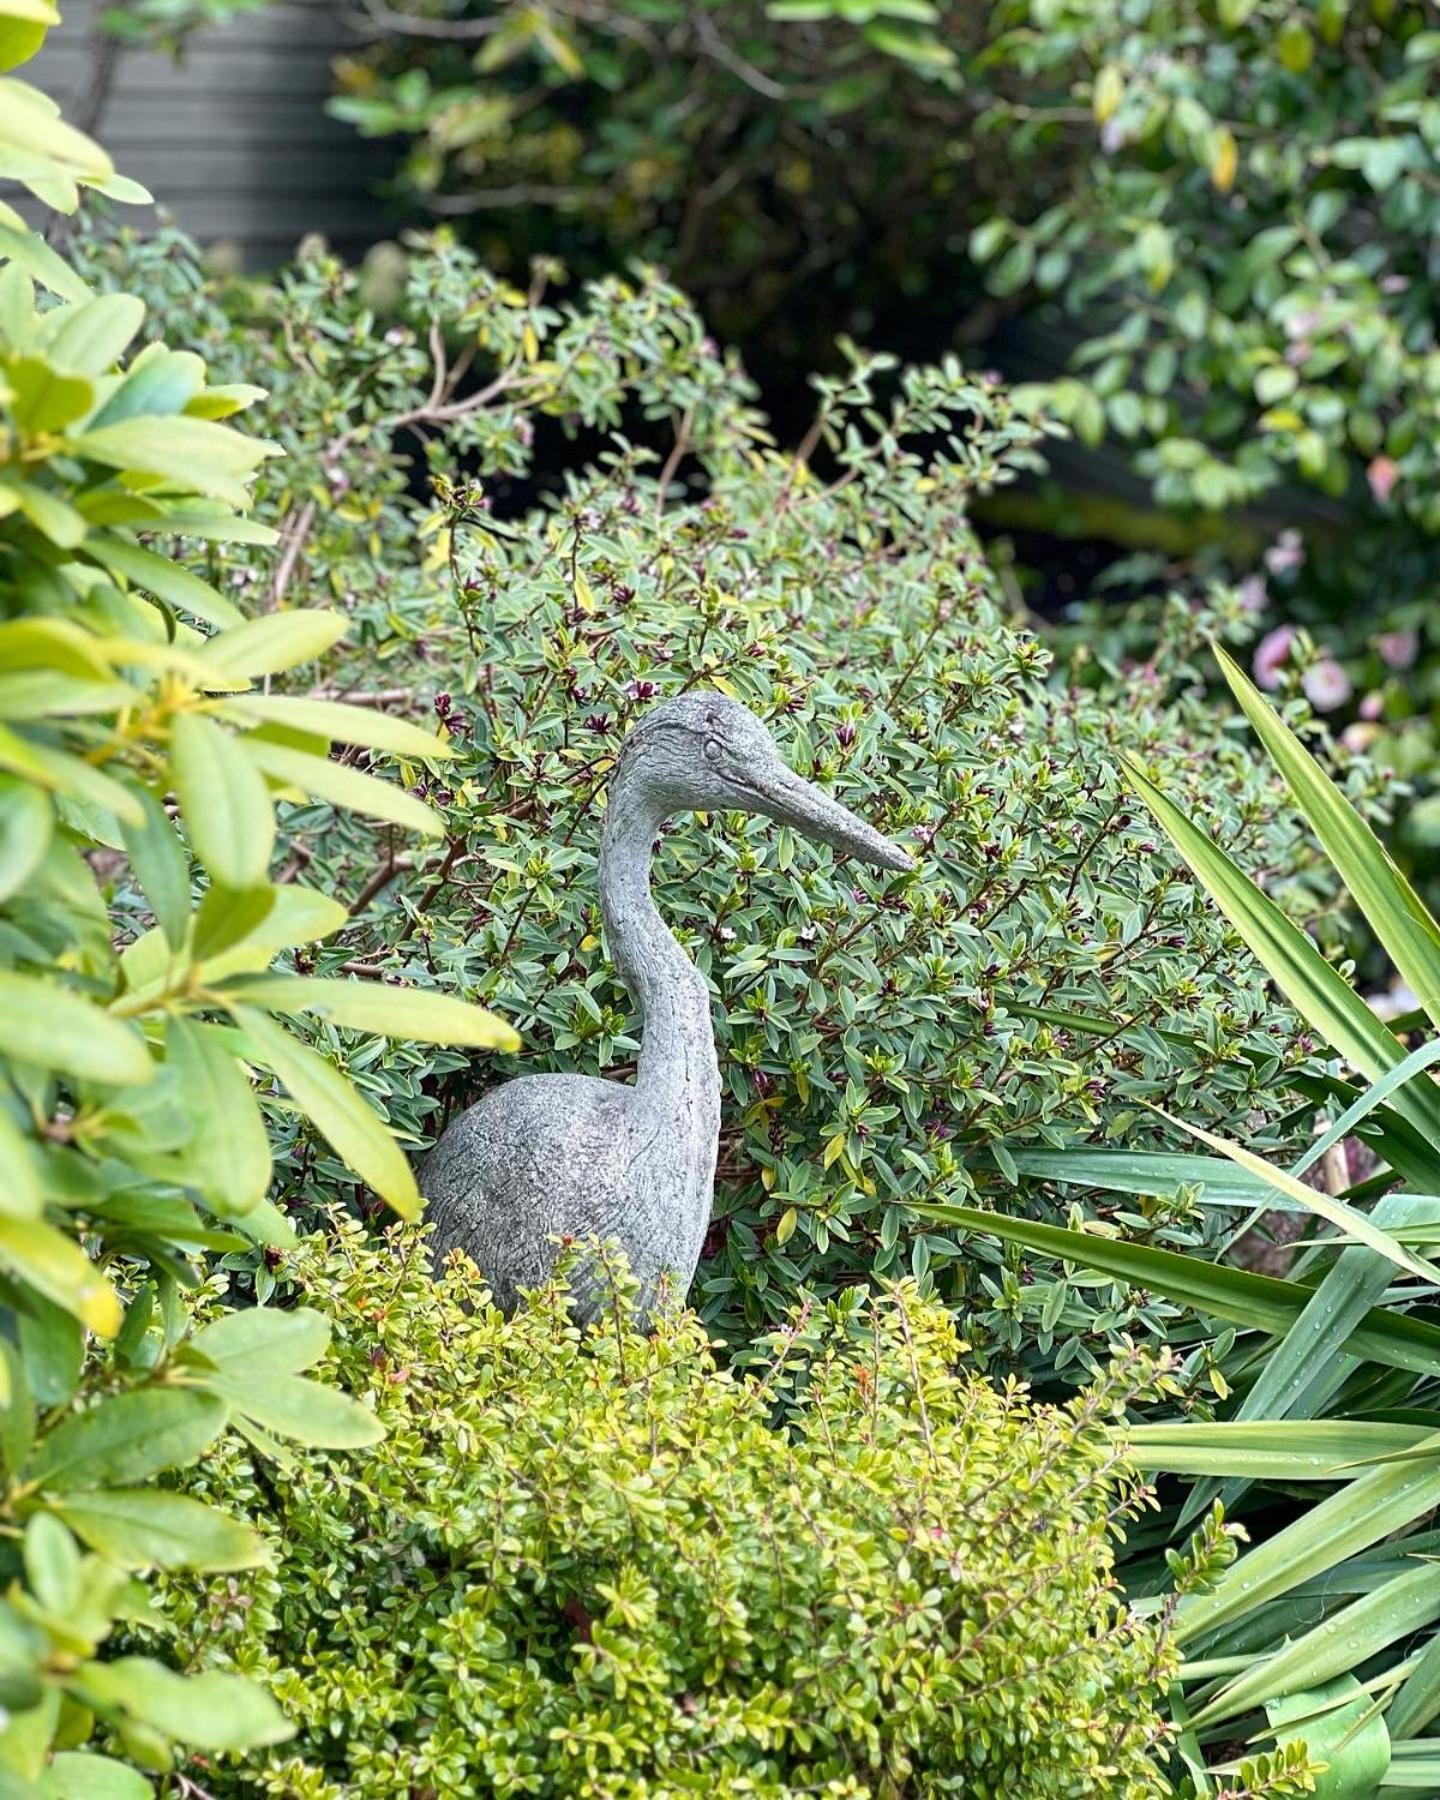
(604, 1566)
(135, 994)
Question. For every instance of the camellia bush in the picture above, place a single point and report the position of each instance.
(1250, 203)
(603, 1567)
(142, 757)
(881, 1042)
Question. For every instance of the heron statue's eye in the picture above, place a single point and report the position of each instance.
(714, 750)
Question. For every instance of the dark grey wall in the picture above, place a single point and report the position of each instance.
(235, 141)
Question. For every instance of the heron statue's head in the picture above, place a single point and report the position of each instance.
(703, 752)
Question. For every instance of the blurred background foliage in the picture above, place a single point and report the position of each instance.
(1200, 234)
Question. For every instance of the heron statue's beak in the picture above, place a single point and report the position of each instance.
(781, 795)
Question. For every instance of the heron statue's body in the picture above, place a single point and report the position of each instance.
(549, 1158)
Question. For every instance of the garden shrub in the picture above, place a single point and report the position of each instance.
(1321, 1454)
(1042, 976)
(601, 1566)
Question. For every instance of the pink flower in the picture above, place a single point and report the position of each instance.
(1398, 649)
(1271, 654)
(1326, 685)
(1358, 738)
(1382, 475)
(1287, 552)
(1372, 706)
(1253, 594)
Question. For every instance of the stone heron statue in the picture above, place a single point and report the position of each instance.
(545, 1158)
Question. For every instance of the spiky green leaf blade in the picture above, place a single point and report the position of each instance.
(1268, 1449)
(1307, 981)
(1258, 1302)
(1355, 1224)
(1407, 1603)
(1379, 888)
(1377, 1504)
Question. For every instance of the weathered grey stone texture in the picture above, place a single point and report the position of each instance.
(549, 1158)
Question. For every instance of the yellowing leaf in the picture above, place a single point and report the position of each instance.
(20, 1194)
(56, 1267)
(23, 24)
(277, 641)
(1224, 160)
(417, 1013)
(1355, 1224)
(197, 456)
(341, 786)
(165, 579)
(361, 1141)
(1109, 92)
(44, 399)
(332, 719)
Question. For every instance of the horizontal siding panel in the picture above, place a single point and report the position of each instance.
(300, 168)
(199, 117)
(234, 142)
(259, 75)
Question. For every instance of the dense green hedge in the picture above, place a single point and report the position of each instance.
(1042, 976)
(607, 1569)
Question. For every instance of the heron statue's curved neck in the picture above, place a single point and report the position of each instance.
(677, 1067)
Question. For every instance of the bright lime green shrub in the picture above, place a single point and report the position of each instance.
(604, 1567)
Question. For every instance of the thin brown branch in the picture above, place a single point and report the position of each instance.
(381, 879)
(294, 534)
(367, 971)
(364, 697)
(678, 452)
(453, 852)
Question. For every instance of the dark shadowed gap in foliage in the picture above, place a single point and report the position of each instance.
(1055, 568)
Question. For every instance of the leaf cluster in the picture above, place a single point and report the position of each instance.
(1325, 1631)
(143, 756)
